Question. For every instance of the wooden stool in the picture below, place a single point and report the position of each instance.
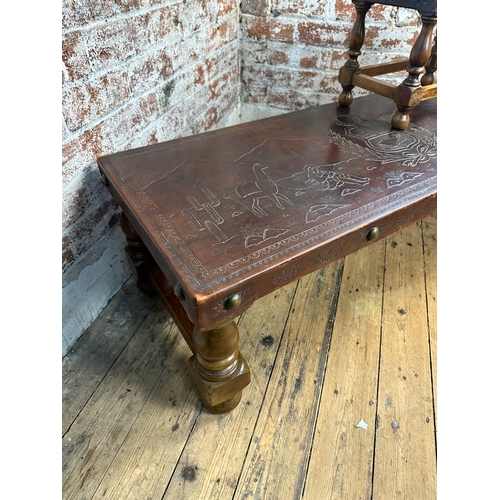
(423, 59)
(218, 220)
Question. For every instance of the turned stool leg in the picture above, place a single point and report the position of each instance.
(138, 254)
(430, 69)
(356, 40)
(218, 368)
(419, 57)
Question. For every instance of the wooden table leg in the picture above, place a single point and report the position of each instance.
(138, 254)
(218, 368)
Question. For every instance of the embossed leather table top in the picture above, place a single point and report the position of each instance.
(252, 207)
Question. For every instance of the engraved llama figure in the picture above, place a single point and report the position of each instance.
(249, 193)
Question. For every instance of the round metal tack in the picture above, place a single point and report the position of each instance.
(233, 301)
(373, 234)
(179, 292)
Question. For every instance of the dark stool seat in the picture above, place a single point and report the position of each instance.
(216, 221)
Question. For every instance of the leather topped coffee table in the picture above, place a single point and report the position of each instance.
(218, 220)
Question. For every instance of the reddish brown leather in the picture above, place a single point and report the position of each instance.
(249, 208)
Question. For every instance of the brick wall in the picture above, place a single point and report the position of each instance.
(136, 72)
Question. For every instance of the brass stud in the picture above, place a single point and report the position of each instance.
(373, 234)
(179, 292)
(233, 301)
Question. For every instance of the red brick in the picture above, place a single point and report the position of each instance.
(411, 41)
(264, 76)
(378, 12)
(285, 98)
(149, 107)
(217, 88)
(179, 88)
(147, 71)
(150, 138)
(305, 79)
(308, 62)
(116, 41)
(83, 150)
(74, 56)
(186, 51)
(309, 8)
(88, 101)
(344, 9)
(171, 124)
(211, 64)
(191, 110)
(82, 12)
(268, 28)
(371, 35)
(255, 7)
(207, 120)
(226, 7)
(277, 57)
(131, 119)
(221, 59)
(315, 81)
(234, 75)
(295, 99)
(333, 59)
(130, 5)
(327, 85)
(219, 35)
(164, 24)
(253, 51)
(195, 14)
(253, 94)
(166, 127)
(199, 74)
(228, 101)
(234, 28)
(315, 33)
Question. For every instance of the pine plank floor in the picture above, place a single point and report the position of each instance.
(342, 403)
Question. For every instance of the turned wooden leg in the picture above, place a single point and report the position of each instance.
(356, 40)
(430, 69)
(218, 368)
(138, 255)
(419, 57)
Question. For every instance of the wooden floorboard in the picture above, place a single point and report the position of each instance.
(405, 451)
(87, 363)
(342, 455)
(341, 403)
(218, 446)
